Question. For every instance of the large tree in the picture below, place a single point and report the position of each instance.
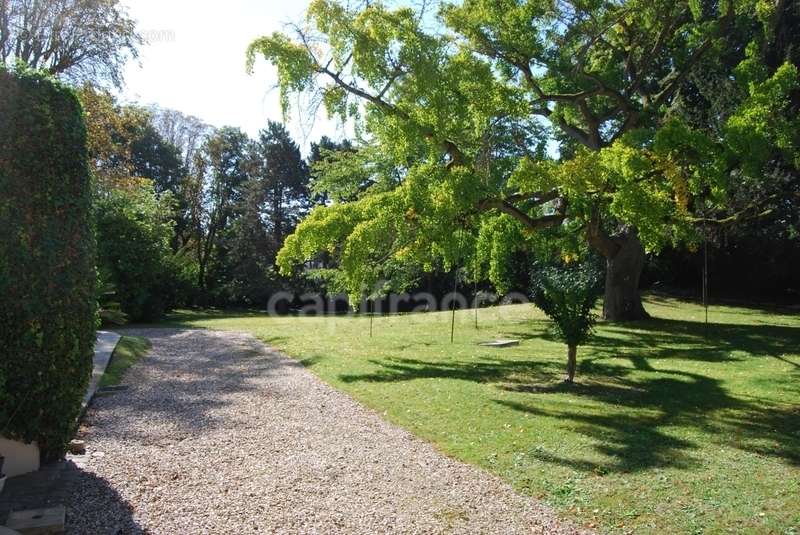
(186, 133)
(137, 177)
(273, 198)
(213, 192)
(124, 142)
(282, 176)
(81, 40)
(442, 105)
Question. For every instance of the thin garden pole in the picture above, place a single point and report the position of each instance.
(455, 288)
(371, 315)
(475, 292)
(705, 271)
(453, 317)
(477, 304)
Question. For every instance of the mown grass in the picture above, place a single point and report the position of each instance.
(129, 350)
(672, 427)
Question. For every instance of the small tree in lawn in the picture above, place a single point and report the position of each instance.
(567, 295)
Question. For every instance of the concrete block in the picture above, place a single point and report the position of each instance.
(500, 343)
(77, 447)
(20, 459)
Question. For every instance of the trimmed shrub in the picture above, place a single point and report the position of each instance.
(47, 275)
(567, 294)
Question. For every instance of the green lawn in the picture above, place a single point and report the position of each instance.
(672, 428)
(128, 351)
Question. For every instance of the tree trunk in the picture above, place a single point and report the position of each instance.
(624, 256)
(622, 301)
(572, 363)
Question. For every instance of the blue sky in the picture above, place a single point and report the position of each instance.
(195, 62)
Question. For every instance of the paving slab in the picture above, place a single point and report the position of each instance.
(103, 349)
(500, 343)
(43, 521)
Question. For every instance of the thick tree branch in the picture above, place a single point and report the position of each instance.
(574, 132)
(675, 78)
(536, 197)
(531, 223)
(598, 238)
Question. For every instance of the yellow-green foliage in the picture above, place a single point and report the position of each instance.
(761, 124)
(458, 114)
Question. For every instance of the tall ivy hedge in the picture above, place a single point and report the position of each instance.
(47, 274)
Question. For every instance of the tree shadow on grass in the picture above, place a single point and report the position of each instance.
(630, 431)
(682, 340)
(697, 404)
(486, 370)
(642, 416)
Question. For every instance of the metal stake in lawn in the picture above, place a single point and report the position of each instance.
(476, 304)
(453, 317)
(705, 273)
(455, 288)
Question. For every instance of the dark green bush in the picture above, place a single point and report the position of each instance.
(47, 276)
(134, 228)
(183, 271)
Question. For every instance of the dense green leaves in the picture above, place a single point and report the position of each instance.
(47, 249)
(454, 117)
(761, 126)
(567, 294)
(134, 229)
(445, 109)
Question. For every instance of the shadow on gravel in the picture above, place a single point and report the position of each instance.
(95, 507)
(186, 377)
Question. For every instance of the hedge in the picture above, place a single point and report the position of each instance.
(47, 275)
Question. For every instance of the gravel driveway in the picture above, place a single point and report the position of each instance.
(217, 433)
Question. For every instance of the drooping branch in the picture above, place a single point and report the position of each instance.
(448, 146)
(753, 210)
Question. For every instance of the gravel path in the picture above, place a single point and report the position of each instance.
(219, 434)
